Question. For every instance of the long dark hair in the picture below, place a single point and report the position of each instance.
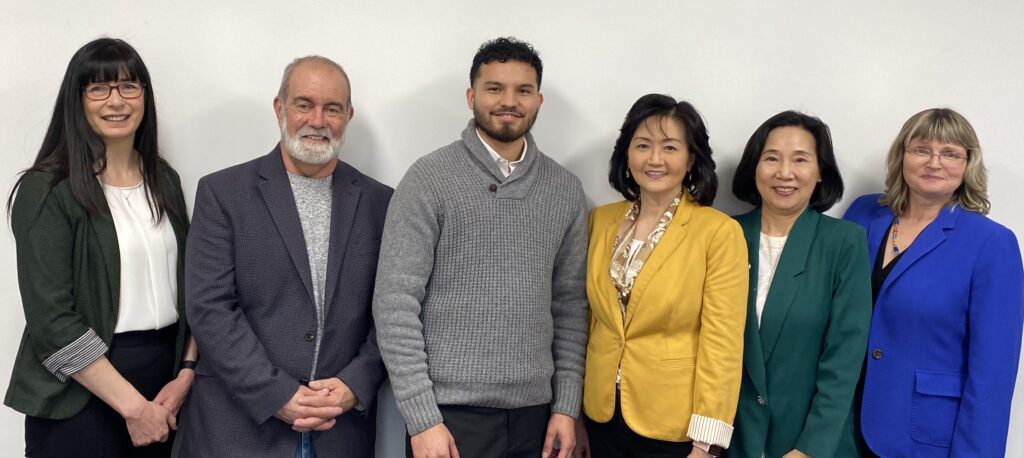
(72, 150)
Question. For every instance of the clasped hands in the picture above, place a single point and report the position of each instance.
(316, 407)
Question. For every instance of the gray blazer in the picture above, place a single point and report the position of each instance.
(249, 297)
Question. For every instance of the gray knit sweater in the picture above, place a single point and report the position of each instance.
(480, 297)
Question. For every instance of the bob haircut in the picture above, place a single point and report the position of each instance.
(72, 150)
(826, 193)
(946, 126)
(701, 181)
(506, 49)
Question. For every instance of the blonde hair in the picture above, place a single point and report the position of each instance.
(947, 126)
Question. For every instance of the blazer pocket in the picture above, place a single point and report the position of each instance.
(934, 406)
(678, 363)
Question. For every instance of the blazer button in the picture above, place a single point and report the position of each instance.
(877, 353)
(760, 400)
(309, 336)
(493, 187)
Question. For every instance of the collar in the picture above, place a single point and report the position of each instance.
(494, 154)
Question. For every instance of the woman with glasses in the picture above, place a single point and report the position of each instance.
(99, 223)
(810, 301)
(946, 329)
(667, 283)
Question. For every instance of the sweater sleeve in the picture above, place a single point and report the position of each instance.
(411, 233)
(720, 348)
(570, 316)
(44, 238)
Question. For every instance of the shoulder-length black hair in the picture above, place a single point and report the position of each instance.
(701, 181)
(72, 150)
(826, 193)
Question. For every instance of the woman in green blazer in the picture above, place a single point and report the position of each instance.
(809, 305)
(97, 371)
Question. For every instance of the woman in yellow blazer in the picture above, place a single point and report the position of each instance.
(667, 284)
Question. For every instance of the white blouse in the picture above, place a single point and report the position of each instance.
(769, 252)
(149, 259)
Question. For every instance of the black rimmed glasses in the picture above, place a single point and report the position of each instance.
(101, 91)
(946, 156)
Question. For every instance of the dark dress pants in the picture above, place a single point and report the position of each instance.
(615, 440)
(146, 360)
(495, 433)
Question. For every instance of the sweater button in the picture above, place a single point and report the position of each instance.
(760, 400)
(877, 353)
(309, 336)
(493, 187)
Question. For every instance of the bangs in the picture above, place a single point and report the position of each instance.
(113, 63)
(943, 126)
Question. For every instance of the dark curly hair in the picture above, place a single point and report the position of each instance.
(504, 49)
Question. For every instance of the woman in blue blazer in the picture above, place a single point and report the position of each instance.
(946, 330)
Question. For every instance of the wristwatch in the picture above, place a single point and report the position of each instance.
(711, 449)
(188, 364)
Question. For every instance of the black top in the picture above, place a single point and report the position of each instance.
(879, 273)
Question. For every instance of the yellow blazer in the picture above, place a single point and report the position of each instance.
(681, 348)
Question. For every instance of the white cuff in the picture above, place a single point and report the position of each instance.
(75, 356)
(709, 430)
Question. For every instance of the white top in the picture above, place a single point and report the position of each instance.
(769, 252)
(506, 167)
(149, 260)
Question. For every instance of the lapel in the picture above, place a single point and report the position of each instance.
(753, 355)
(609, 295)
(673, 237)
(931, 237)
(345, 194)
(786, 282)
(277, 194)
(106, 237)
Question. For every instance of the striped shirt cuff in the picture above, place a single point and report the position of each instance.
(709, 430)
(75, 356)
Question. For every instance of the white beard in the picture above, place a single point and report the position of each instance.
(311, 153)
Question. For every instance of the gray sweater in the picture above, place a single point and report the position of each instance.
(480, 297)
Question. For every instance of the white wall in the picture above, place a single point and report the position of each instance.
(863, 67)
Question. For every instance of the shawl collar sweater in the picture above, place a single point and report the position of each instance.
(480, 296)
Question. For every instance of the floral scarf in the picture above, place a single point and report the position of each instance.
(624, 270)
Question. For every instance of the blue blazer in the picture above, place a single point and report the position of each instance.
(945, 337)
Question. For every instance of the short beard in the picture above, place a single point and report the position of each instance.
(311, 154)
(503, 134)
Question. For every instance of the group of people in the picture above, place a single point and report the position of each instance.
(510, 319)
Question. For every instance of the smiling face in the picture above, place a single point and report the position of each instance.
(787, 171)
(505, 99)
(314, 114)
(929, 178)
(116, 118)
(659, 157)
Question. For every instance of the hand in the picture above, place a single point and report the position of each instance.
(172, 395)
(338, 395)
(563, 428)
(582, 449)
(148, 423)
(796, 454)
(314, 417)
(434, 442)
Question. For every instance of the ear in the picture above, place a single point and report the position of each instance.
(351, 112)
(690, 161)
(277, 111)
(541, 95)
(470, 98)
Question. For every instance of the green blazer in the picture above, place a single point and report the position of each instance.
(801, 367)
(69, 274)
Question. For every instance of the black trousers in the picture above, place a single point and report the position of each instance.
(615, 440)
(482, 432)
(146, 360)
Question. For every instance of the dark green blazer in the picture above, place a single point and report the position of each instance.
(801, 367)
(69, 274)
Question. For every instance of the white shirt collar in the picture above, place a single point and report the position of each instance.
(500, 160)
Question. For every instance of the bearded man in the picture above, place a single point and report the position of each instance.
(279, 274)
(480, 301)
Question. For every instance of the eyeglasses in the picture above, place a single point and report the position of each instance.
(946, 157)
(101, 91)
